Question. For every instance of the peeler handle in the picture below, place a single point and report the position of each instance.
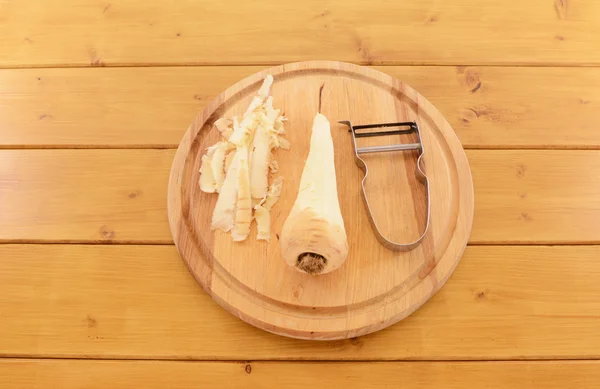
(421, 176)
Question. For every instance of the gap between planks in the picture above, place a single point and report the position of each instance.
(27, 357)
(174, 147)
(267, 63)
(76, 242)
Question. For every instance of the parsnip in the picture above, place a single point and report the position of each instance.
(313, 239)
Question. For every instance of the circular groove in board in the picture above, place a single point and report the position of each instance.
(375, 287)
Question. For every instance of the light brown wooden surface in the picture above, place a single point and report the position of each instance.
(506, 75)
(114, 301)
(84, 195)
(35, 374)
(488, 107)
(114, 32)
(376, 287)
(119, 196)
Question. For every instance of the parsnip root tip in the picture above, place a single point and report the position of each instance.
(311, 263)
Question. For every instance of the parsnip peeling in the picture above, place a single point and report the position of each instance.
(225, 127)
(283, 143)
(266, 87)
(265, 139)
(278, 126)
(251, 155)
(271, 113)
(262, 210)
(218, 164)
(263, 223)
(260, 163)
(243, 212)
(243, 130)
(273, 165)
(228, 160)
(273, 193)
(207, 181)
(238, 167)
(223, 215)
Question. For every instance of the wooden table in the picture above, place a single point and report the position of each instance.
(95, 96)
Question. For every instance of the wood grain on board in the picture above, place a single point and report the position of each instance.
(117, 32)
(114, 301)
(521, 196)
(152, 107)
(36, 374)
(376, 287)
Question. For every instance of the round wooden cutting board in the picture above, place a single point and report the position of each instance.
(375, 287)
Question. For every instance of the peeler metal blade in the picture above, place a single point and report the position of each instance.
(406, 128)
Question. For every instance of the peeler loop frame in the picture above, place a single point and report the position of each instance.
(421, 176)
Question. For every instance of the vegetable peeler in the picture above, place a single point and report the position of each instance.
(401, 128)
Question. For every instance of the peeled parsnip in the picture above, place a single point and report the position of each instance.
(313, 239)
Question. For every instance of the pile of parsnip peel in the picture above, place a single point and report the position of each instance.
(238, 166)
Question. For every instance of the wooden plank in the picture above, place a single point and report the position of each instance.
(100, 33)
(84, 195)
(122, 107)
(521, 196)
(33, 374)
(536, 196)
(152, 107)
(112, 301)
